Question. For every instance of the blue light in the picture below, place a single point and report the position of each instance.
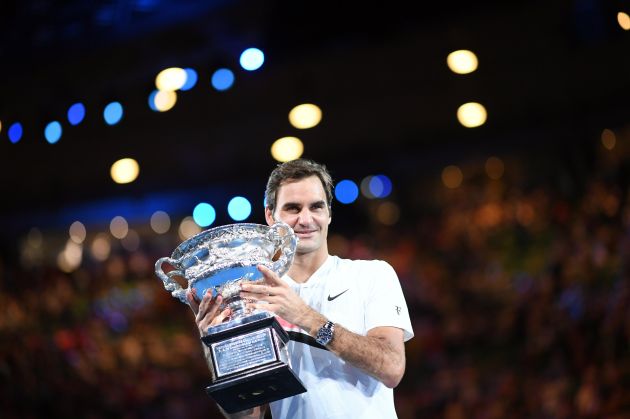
(191, 79)
(204, 214)
(380, 186)
(52, 132)
(222, 79)
(239, 208)
(113, 113)
(252, 59)
(346, 191)
(15, 132)
(152, 101)
(76, 113)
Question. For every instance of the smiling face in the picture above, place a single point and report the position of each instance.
(302, 205)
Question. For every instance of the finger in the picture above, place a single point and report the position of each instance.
(270, 276)
(261, 306)
(225, 314)
(257, 288)
(192, 301)
(206, 303)
(205, 318)
(251, 297)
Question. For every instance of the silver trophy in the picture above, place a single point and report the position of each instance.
(250, 361)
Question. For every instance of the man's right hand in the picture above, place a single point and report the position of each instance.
(207, 312)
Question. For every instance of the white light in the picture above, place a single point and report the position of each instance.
(472, 115)
(462, 61)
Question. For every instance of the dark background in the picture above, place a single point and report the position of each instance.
(517, 286)
(551, 74)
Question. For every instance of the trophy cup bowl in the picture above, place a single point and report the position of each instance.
(248, 353)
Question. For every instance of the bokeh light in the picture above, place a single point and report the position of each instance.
(124, 170)
(15, 132)
(131, 241)
(222, 79)
(287, 149)
(69, 259)
(346, 191)
(113, 113)
(365, 187)
(388, 213)
(239, 208)
(380, 186)
(77, 232)
(472, 115)
(160, 222)
(53, 132)
(76, 113)
(252, 59)
(164, 100)
(305, 116)
(204, 214)
(494, 168)
(188, 228)
(151, 100)
(452, 177)
(100, 247)
(462, 61)
(171, 79)
(609, 139)
(118, 227)
(191, 79)
(624, 20)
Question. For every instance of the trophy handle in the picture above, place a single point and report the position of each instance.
(285, 240)
(167, 278)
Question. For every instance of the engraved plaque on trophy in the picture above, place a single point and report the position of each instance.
(249, 355)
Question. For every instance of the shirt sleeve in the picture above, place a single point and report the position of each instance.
(385, 304)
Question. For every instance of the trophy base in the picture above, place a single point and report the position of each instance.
(256, 388)
(250, 363)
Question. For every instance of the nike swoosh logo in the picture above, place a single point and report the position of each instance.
(332, 298)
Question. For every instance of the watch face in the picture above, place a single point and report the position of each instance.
(325, 334)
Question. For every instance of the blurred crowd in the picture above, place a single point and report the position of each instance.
(517, 286)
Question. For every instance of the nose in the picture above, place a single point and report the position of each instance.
(304, 217)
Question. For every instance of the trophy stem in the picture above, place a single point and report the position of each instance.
(233, 300)
(237, 306)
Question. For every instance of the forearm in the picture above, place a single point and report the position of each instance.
(376, 355)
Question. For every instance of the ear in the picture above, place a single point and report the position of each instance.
(269, 216)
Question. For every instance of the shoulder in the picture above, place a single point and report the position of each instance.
(375, 267)
(360, 262)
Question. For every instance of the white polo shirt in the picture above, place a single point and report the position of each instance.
(359, 295)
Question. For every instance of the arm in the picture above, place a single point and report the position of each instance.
(207, 314)
(381, 353)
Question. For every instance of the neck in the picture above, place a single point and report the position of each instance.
(305, 264)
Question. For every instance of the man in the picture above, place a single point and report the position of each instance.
(350, 316)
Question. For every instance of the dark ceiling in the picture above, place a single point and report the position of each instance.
(549, 72)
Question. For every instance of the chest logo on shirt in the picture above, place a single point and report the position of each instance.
(398, 308)
(338, 295)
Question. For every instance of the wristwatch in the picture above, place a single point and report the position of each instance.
(325, 333)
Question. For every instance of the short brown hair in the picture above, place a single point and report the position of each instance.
(295, 170)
